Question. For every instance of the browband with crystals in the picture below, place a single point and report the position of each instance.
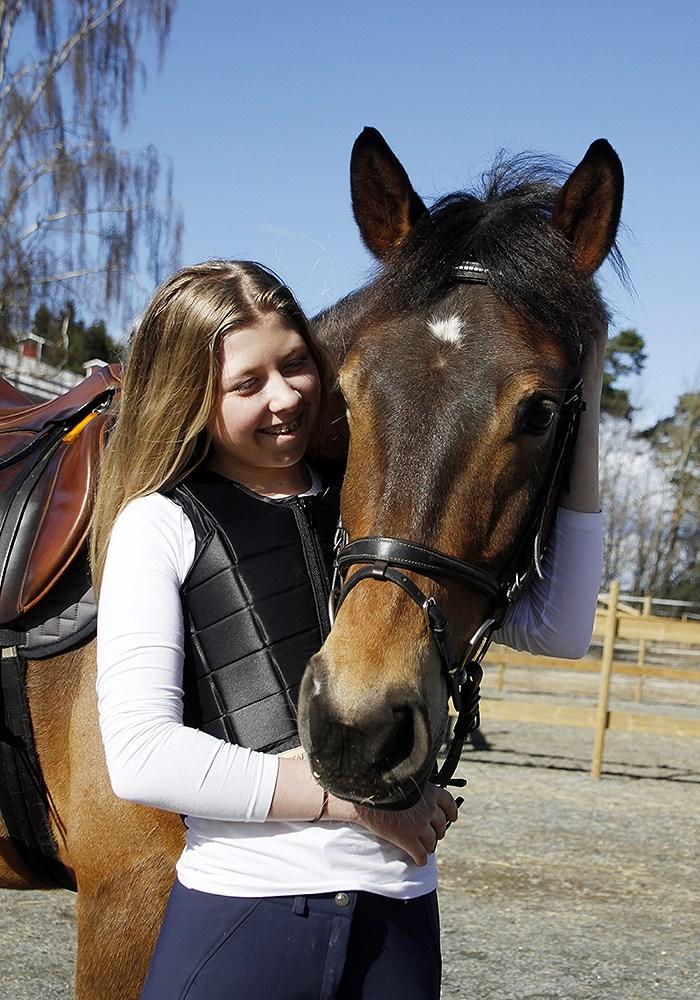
(472, 271)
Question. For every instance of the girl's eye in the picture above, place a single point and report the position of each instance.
(251, 385)
(244, 387)
(296, 363)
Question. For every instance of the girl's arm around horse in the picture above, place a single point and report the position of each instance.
(583, 493)
(555, 617)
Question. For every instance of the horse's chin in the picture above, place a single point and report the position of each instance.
(393, 797)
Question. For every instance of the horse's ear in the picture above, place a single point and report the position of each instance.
(587, 209)
(383, 200)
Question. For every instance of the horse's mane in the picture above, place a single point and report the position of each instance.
(505, 226)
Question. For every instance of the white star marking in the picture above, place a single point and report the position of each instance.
(448, 330)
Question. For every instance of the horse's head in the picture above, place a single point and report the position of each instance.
(454, 389)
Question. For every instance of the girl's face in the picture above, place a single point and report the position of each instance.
(269, 394)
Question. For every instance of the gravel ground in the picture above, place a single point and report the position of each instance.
(556, 887)
(553, 887)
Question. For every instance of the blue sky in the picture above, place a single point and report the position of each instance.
(258, 104)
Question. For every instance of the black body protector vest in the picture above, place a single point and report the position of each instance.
(255, 606)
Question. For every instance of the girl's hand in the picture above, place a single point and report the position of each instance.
(416, 830)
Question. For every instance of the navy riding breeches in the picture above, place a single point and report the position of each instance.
(335, 946)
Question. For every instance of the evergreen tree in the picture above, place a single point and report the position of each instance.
(624, 355)
(69, 342)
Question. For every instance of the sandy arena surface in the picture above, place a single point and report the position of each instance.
(553, 886)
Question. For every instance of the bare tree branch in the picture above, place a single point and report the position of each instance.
(9, 12)
(70, 275)
(72, 202)
(21, 74)
(79, 213)
(59, 59)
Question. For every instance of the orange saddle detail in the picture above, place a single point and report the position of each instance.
(49, 456)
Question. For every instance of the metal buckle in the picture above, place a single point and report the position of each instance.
(516, 586)
(478, 644)
(340, 540)
(434, 616)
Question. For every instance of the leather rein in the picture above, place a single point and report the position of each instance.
(384, 558)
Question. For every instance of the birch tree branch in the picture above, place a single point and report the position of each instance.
(56, 63)
(9, 12)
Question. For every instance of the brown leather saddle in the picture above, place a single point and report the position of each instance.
(49, 456)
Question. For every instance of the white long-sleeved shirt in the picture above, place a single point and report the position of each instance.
(225, 790)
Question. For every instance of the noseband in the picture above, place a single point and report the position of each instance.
(385, 558)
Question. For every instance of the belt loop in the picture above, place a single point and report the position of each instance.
(299, 907)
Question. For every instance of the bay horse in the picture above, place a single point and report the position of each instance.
(452, 390)
(455, 366)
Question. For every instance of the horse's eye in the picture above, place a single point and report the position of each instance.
(538, 416)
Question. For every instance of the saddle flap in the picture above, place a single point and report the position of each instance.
(47, 478)
(62, 509)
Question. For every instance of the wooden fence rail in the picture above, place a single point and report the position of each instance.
(615, 623)
(502, 657)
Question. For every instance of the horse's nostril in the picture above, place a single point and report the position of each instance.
(400, 737)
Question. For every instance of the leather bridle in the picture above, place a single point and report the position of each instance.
(384, 558)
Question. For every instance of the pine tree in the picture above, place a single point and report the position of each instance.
(624, 355)
(69, 343)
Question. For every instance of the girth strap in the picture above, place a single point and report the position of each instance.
(24, 804)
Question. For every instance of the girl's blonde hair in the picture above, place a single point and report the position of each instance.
(171, 382)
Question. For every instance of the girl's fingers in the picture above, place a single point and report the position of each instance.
(429, 840)
(416, 831)
(447, 804)
(458, 802)
(439, 825)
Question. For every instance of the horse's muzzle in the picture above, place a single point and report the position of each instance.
(378, 753)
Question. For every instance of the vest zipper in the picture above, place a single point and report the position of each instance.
(314, 562)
